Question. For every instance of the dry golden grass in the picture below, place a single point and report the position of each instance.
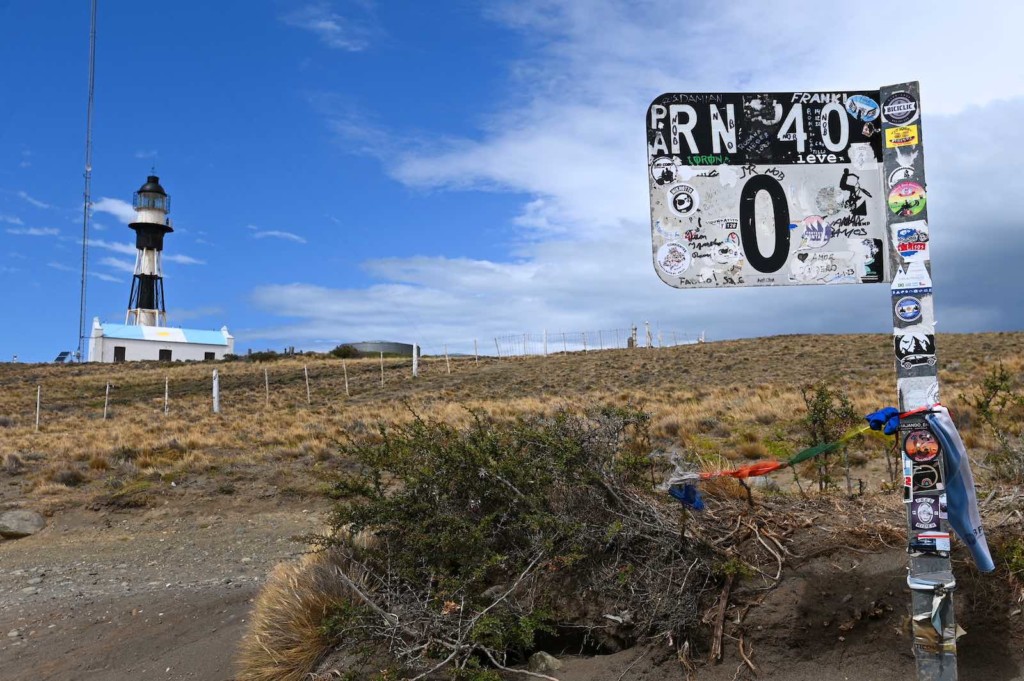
(733, 400)
(295, 617)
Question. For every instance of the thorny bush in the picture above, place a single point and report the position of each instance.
(1000, 406)
(493, 541)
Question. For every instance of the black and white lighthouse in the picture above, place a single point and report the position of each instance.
(146, 303)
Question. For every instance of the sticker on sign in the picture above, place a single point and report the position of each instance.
(767, 189)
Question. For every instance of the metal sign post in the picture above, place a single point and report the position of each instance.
(809, 188)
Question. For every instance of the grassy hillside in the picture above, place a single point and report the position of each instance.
(738, 400)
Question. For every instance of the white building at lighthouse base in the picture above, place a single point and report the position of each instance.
(134, 343)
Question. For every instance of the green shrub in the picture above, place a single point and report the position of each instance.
(489, 538)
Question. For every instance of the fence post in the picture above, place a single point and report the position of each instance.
(305, 371)
(447, 362)
(497, 348)
(167, 392)
(416, 360)
(584, 341)
(382, 369)
(564, 347)
(545, 342)
(266, 384)
(600, 340)
(616, 338)
(344, 368)
(476, 353)
(216, 392)
(39, 399)
(106, 401)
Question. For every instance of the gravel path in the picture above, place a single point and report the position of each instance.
(160, 593)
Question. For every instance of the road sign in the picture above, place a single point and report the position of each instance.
(767, 189)
(797, 188)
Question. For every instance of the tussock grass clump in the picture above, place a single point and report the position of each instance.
(303, 608)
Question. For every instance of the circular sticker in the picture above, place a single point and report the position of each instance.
(683, 200)
(921, 446)
(907, 199)
(901, 174)
(925, 513)
(899, 108)
(908, 309)
(664, 170)
(862, 108)
(926, 477)
(673, 258)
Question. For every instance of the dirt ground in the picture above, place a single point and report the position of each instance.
(165, 592)
(161, 593)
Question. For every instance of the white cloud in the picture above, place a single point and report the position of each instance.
(333, 29)
(569, 136)
(35, 202)
(11, 219)
(34, 231)
(182, 259)
(146, 153)
(116, 246)
(122, 210)
(121, 265)
(102, 276)
(277, 234)
(61, 266)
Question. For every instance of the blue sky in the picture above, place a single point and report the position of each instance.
(440, 172)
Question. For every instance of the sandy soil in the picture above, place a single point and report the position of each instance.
(162, 593)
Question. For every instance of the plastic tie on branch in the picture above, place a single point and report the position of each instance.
(688, 495)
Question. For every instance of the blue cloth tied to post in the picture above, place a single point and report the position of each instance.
(961, 500)
(887, 420)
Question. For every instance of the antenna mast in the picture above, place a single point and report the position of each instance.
(88, 180)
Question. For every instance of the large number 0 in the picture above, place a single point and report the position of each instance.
(748, 226)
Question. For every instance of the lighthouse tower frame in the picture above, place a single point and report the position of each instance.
(146, 306)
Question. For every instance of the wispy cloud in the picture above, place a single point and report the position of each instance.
(182, 259)
(34, 231)
(35, 202)
(122, 210)
(11, 219)
(102, 276)
(351, 33)
(146, 153)
(278, 234)
(60, 266)
(121, 265)
(116, 246)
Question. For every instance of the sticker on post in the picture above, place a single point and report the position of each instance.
(900, 108)
(914, 348)
(927, 478)
(930, 542)
(921, 446)
(924, 513)
(918, 391)
(903, 136)
(911, 239)
(908, 309)
(907, 199)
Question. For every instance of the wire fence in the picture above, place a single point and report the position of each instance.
(546, 343)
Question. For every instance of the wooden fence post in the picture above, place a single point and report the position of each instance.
(216, 392)
(305, 371)
(106, 401)
(344, 368)
(39, 400)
